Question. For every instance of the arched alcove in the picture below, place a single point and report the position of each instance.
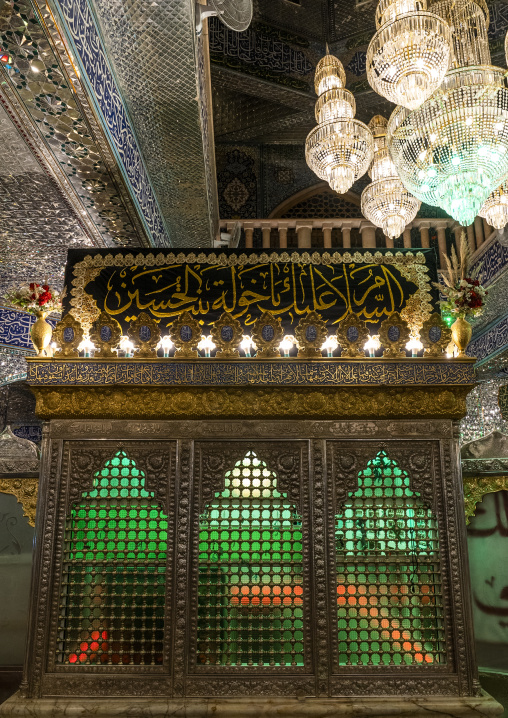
(318, 201)
(389, 597)
(251, 593)
(114, 558)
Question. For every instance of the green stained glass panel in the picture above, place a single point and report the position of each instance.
(388, 576)
(250, 602)
(113, 593)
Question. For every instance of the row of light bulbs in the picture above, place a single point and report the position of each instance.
(207, 346)
(446, 143)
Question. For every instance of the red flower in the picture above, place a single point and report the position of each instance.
(475, 301)
(44, 298)
(33, 286)
(45, 287)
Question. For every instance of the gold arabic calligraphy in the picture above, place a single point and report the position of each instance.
(372, 291)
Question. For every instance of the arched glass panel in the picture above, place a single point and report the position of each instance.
(389, 601)
(250, 604)
(113, 594)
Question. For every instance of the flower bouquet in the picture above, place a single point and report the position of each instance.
(35, 298)
(464, 296)
(41, 300)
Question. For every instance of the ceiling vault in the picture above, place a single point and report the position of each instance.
(148, 73)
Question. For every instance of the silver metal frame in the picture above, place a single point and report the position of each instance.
(317, 463)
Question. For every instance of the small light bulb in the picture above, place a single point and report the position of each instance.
(414, 346)
(165, 344)
(330, 345)
(126, 346)
(86, 346)
(247, 345)
(287, 344)
(372, 345)
(451, 350)
(207, 345)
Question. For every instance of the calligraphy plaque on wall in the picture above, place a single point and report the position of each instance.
(290, 285)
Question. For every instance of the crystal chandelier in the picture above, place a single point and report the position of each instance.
(495, 209)
(453, 150)
(339, 150)
(386, 202)
(409, 55)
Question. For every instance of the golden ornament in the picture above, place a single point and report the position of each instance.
(461, 334)
(41, 333)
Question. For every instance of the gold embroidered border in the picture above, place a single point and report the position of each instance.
(476, 487)
(25, 491)
(418, 307)
(412, 266)
(163, 402)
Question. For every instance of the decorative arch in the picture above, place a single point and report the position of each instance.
(318, 201)
(250, 592)
(477, 487)
(484, 468)
(115, 549)
(389, 600)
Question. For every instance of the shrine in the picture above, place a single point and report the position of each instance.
(250, 534)
(253, 358)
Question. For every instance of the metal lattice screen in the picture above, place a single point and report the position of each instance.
(251, 593)
(113, 592)
(389, 601)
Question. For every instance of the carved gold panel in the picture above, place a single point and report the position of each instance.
(475, 488)
(25, 491)
(121, 402)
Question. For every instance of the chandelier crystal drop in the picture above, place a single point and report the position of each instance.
(339, 150)
(495, 209)
(453, 150)
(409, 55)
(386, 202)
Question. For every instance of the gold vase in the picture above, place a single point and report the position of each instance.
(461, 334)
(41, 333)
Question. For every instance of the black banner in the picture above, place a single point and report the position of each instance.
(206, 287)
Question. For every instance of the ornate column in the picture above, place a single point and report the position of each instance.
(304, 232)
(478, 230)
(327, 235)
(441, 241)
(266, 237)
(470, 238)
(457, 231)
(424, 235)
(283, 234)
(368, 235)
(346, 235)
(487, 230)
(248, 228)
(407, 237)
